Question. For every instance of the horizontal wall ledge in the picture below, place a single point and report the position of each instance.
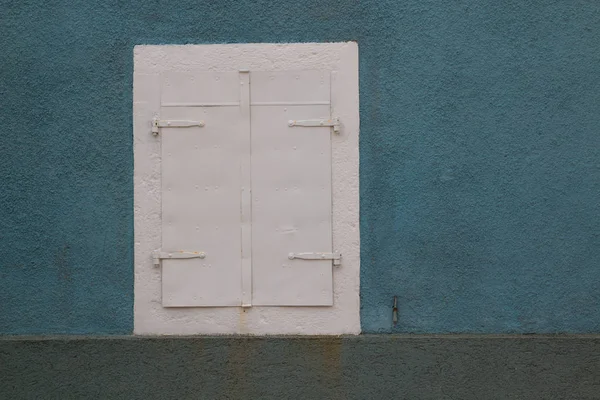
(347, 367)
(356, 338)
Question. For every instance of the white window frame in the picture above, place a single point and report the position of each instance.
(150, 317)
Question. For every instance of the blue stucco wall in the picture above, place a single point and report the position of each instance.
(480, 168)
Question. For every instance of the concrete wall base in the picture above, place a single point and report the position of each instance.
(359, 367)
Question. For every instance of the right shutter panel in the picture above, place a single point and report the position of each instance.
(291, 189)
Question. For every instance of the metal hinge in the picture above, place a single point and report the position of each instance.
(158, 255)
(336, 257)
(158, 123)
(334, 122)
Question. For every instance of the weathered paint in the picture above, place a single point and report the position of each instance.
(358, 367)
(269, 65)
(479, 156)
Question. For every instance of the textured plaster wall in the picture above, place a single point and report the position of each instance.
(479, 145)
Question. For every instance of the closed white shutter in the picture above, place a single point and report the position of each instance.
(246, 189)
(201, 180)
(291, 189)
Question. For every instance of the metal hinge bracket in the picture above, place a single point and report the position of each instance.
(333, 122)
(158, 123)
(158, 255)
(336, 257)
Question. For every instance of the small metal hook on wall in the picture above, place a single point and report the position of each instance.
(395, 311)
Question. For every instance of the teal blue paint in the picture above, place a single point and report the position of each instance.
(479, 156)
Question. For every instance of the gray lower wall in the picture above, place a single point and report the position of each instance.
(363, 367)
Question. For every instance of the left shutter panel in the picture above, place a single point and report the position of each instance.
(201, 180)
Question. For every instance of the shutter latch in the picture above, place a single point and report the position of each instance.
(158, 123)
(334, 122)
(336, 257)
(158, 255)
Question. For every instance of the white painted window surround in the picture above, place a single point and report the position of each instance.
(246, 188)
